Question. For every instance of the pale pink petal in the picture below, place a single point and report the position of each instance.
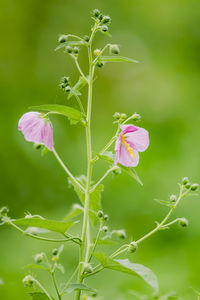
(34, 133)
(126, 159)
(48, 136)
(128, 128)
(30, 116)
(138, 139)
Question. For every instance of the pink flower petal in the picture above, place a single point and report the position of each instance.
(126, 159)
(48, 136)
(138, 139)
(128, 128)
(30, 116)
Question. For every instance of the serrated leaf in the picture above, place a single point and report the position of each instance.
(76, 210)
(109, 157)
(55, 226)
(79, 286)
(125, 266)
(71, 113)
(39, 296)
(117, 59)
(75, 90)
(70, 43)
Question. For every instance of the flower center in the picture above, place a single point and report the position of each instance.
(130, 150)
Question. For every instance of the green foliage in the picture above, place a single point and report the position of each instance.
(39, 296)
(75, 90)
(70, 43)
(75, 286)
(71, 113)
(125, 266)
(75, 211)
(117, 59)
(55, 226)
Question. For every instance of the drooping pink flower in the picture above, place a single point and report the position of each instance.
(36, 129)
(131, 140)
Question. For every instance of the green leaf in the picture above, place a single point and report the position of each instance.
(76, 210)
(165, 203)
(44, 151)
(125, 266)
(109, 157)
(72, 114)
(60, 268)
(70, 43)
(35, 221)
(39, 296)
(117, 59)
(79, 286)
(75, 90)
(34, 266)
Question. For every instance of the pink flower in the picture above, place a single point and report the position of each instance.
(130, 141)
(37, 129)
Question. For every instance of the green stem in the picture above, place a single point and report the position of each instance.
(96, 240)
(43, 289)
(80, 104)
(68, 282)
(55, 285)
(79, 68)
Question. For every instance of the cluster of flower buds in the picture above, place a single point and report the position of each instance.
(119, 117)
(28, 281)
(65, 84)
(102, 216)
(103, 21)
(188, 185)
(72, 50)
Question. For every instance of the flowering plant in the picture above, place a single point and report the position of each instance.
(129, 141)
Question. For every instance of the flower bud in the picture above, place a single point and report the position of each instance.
(183, 222)
(116, 116)
(96, 13)
(194, 186)
(104, 28)
(188, 185)
(96, 52)
(87, 268)
(105, 228)
(69, 49)
(68, 89)
(117, 170)
(65, 79)
(28, 281)
(55, 251)
(114, 49)
(76, 50)
(86, 38)
(99, 64)
(106, 217)
(123, 116)
(132, 247)
(4, 211)
(100, 17)
(62, 39)
(185, 180)
(106, 19)
(136, 117)
(37, 146)
(100, 214)
(173, 198)
(38, 258)
(121, 234)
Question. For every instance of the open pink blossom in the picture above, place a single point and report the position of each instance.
(130, 141)
(36, 129)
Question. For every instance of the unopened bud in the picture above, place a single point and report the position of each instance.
(121, 234)
(86, 38)
(132, 247)
(123, 116)
(100, 214)
(173, 198)
(96, 12)
(68, 89)
(65, 79)
(96, 52)
(106, 19)
(100, 17)
(116, 116)
(185, 180)
(114, 49)
(188, 185)
(136, 117)
(4, 211)
(62, 39)
(105, 228)
(183, 222)
(194, 186)
(69, 49)
(37, 146)
(104, 28)
(99, 64)
(117, 170)
(38, 258)
(105, 218)
(55, 251)
(28, 281)
(76, 50)
(87, 268)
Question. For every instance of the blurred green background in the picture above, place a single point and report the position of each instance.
(164, 88)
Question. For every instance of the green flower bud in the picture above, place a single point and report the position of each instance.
(104, 28)
(62, 39)
(100, 214)
(183, 222)
(106, 19)
(76, 50)
(106, 217)
(114, 49)
(69, 49)
(28, 281)
(100, 17)
(38, 258)
(136, 117)
(4, 211)
(105, 228)
(194, 186)
(185, 180)
(123, 116)
(37, 146)
(96, 13)
(121, 234)
(68, 89)
(117, 170)
(96, 52)
(86, 38)
(65, 79)
(99, 64)
(132, 247)
(188, 185)
(63, 85)
(87, 268)
(173, 198)
(55, 251)
(116, 116)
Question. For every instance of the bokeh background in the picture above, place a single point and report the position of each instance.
(164, 88)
